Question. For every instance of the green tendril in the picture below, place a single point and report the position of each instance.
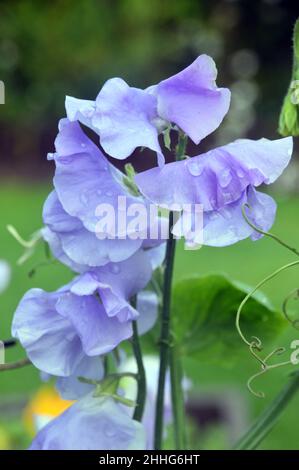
(267, 234)
(255, 345)
(293, 295)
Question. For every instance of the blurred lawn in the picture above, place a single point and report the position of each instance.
(247, 262)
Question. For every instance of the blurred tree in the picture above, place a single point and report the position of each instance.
(52, 48)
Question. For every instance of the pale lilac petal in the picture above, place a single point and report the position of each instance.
(87, 185)
(218, 177)
(48, 338)
(147, 307)
(192, 100)
(70, 388)
(125, 119)
(76, 246)
(80, 110)
(228, 225)
(99, 333)
(116, 284)
(92, 424)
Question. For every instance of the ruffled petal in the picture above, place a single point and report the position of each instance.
(86, 184)
(91, 424)
(49, 339)
(99, 333)
(228, 225)
(147, 307)
(70, 388)
(218, 177)
(125, 119)
(76, 246)
(192, 100)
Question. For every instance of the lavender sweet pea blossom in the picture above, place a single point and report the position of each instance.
(84, 181)
(126, 118)
(86, 318)
(92, 424)
(222, 181)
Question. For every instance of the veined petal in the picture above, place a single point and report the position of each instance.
(125, 119)
(99, 333)
(218, 177)
(192, 100)
(228, 225)
(48, 338)
(91, 424)
(70, 388)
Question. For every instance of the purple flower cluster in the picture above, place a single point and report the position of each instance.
(67, 333)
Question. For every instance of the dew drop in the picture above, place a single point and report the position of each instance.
(225, 178)
(115, 269)
(195, 168)
(110, 431)
(109, 193)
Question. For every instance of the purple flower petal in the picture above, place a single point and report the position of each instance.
(91, 424)
(70, 388)
(99, 333)
(48, 338)
(218, 177)
(192, 100)
(228, 225)
(125, 119)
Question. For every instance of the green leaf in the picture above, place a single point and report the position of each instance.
(204, 312)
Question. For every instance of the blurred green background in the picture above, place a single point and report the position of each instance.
(52, 48)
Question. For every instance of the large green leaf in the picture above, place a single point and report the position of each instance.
(204, 312)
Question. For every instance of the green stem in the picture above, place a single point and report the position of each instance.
(269, 417)
(15, 365)
(141, 377)
(164, 336)
(177, 398)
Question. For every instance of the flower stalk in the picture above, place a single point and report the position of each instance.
(166, 341)
(141, 376)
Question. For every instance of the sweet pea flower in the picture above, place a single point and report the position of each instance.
(84, 181)
(65, 332)
(92, 423)
(126, 117)
(222, 180)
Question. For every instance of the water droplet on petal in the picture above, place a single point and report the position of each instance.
(99, 192)
(225, 178)
(110, 431)
(109, 193)
(195, 168)
(83, 145)
(114, 268)
(240, 173)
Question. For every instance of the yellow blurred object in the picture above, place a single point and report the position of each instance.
(5, 443)
(45, 405)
